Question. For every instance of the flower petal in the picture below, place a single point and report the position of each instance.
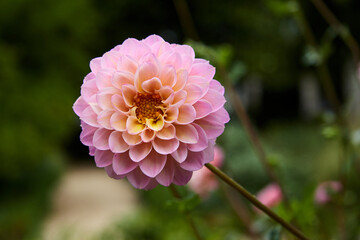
(128, 93)
(104, 118)
(87, 134)
(145, 72)
(202, 143)
(212, 128)
(152, 85)
(118, 121)
(181, 176)
(103, 158)
(95, 64)
(119, 103)
(180, 154)
(167, 75)
(166, 132)
(103, 79)
(187, 133)
(155, 125)
(215, 99)
(140, 151)
(171, 114)
(167, 95)
(194, 161)
(80, 105)
(194, 93)
(165, 146)
(117, 143)
(202, 108)
(179, 98)
(89, 117)
(152, 164)
(127, 63)
(121, 78)
(110, 172)
(138, 179)
(147, 135)
(166, 176)
(186, 115)
(203, 69)
(214, 84)
(89, 90)
(122, 164)
(133, 126)
(101, 139)
(131, 139)
(181, 79)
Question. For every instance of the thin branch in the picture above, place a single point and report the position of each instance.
(254, 201)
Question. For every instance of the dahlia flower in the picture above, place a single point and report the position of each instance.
(150, 111)
(203, 180)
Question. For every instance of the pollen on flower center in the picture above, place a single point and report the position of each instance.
(148, 106)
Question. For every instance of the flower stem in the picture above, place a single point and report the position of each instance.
(188, 217)
(254, 201)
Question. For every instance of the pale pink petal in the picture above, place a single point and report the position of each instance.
(89, 90)
(194, 161)
(121, 78)
(103, 158)
(147, 135)
(185, 50)
(202, 108)
(117, 143)
(167, 95)
(138, 179)
(166, 176)
(166, 132)
(119, 103)
(153, 40)
(168, 75)
(215, 99)
(104, 100)
(187, 133)
(127, 63)
(152, 85)
(212, 128)
(145, 72)
(104, 118)
(103, 79)
(110, 172)
(155, 124)
(149, 58)
(181, 176)
(152, 184)
(203, 69)
(89, 76)
(199, 81)
(209, 152)
(79, 106)
(92, 150)
(179, 98)
(134, 48)
(128, 93)
(194, 93)
(87, 133)
(165, 146)
(140, 151)
(110, 59)
(202, 143)
(180, 154)
(122, 164)
(118, 121)
(131, 139)
(171, 58)
(95, 107)
(152, 164)
(186, 115)
(221, 115)
(89, 117)
(95, 64)
(101, 139)
(181, 79)
(171, 114)
(214, 84)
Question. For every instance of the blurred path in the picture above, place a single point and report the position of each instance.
(86, 202)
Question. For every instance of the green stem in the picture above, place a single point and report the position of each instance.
(188, 217)
(254, 201)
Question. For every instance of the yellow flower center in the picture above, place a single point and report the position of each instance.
(148, 106)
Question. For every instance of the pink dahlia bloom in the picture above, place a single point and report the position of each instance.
(270, 195)
(324, 191)
(150, 111)
(203, 180)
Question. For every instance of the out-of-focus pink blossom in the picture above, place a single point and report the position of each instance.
(150, 111)
(270, 195)
(324, 191)
(204, 181)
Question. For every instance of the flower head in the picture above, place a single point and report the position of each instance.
(150, 111)
(203, 180)
(270, 195)
(325, 190)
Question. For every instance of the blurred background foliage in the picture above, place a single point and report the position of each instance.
(45, 49)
